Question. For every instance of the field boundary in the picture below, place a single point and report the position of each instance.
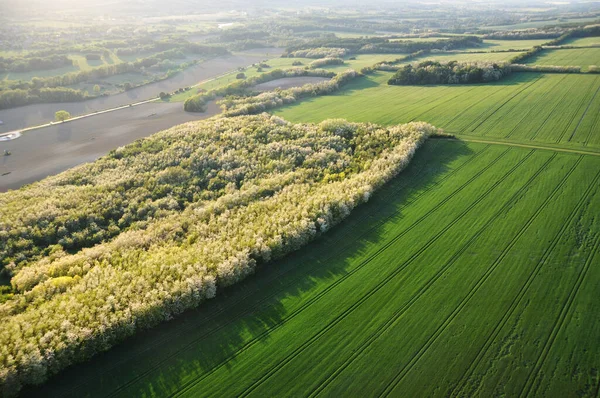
(468, 138)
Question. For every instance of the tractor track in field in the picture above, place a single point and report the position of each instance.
(478, 285)
(558, 325)
(494, 108)
(315, 337)
(358, 352)
(551, 113)
(589, 103)
(187, 386)
(260, 303)
(468, 108)
(520, 145)
(521, 294)
(440, 104)
(531, 109)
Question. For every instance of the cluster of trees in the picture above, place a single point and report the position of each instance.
(198, 102)
(433, 72)
(319, 63)
(545, 68)
(235, 106)
(19, 97)
(28, 64)
(319, 52)
(259, 188)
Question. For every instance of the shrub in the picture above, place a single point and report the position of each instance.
(240, 75)
(61, 116)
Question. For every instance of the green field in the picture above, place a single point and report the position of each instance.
(476, 260)
(526, 107)
(567, 57)
(583, 41)
(503, 45)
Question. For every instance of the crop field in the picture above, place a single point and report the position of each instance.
(583, 41)
(476, 260)
(568, 57)
(526, 107)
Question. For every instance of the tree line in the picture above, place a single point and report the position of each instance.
(453, 72)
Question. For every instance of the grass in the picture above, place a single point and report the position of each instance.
(475, 260)
(567, 57)
(526, 107)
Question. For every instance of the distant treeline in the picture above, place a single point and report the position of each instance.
(375, 45)
(432, 72)
(21, 64)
